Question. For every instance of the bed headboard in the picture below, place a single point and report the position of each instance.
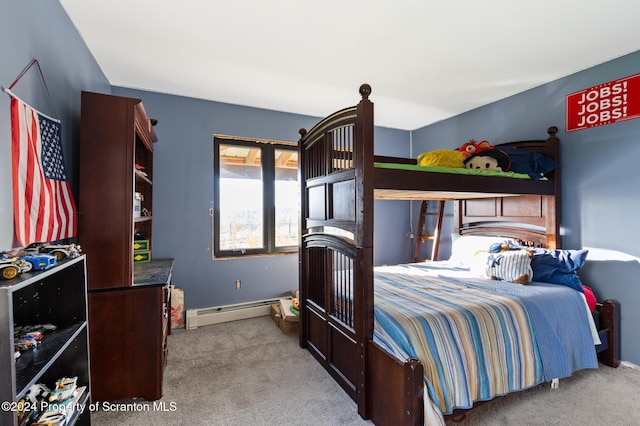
(522, 218)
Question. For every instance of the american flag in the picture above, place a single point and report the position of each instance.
(43, 206)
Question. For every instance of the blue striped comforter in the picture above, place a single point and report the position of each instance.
(478, 338)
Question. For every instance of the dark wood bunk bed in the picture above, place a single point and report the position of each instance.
(340, 178)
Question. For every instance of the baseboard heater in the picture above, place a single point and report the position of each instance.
(206, 316)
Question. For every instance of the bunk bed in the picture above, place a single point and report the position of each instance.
(340, 288)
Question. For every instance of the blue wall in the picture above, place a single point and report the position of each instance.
(183, 192)
(35, 29)
(600, 178)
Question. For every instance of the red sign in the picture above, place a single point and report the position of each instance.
(604, 104)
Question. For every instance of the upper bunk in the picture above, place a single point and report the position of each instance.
(343, 142)
(341, 176)
(402, 178)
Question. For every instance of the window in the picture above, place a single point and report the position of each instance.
(256, 197)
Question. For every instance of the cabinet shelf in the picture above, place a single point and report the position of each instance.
(56, 296)
(81, 401)
(31, 364)
(142, 219)
(140, 177)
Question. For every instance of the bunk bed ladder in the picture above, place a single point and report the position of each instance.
(423, 237)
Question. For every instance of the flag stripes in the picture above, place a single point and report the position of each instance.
(44, 209)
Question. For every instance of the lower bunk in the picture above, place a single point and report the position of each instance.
(471, 342)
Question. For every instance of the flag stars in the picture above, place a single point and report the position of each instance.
(52, 160)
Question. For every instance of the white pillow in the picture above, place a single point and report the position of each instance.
(465, 248)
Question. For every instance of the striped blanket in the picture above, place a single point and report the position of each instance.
(479, 338)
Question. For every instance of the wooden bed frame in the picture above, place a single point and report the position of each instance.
(339, 184)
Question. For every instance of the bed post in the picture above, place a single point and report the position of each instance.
(551, 203)
(609, 318)
(302, 285)
(363, 158)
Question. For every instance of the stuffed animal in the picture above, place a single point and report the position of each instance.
(501, 262)
(472, 147)
(489, 159)
(442, 158)
(499, 247)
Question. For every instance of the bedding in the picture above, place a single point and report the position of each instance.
(520, 163)
(479, 338)
(452, 170)
(523, 164)
(465, 248)
(531, 163)
(590, 298)
(551, 266)
(559, 266)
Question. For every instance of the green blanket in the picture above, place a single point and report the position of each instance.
(454, 170)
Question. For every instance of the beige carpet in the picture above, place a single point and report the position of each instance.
(606, 396)
(240, 373)
(249, 373)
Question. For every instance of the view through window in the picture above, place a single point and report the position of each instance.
(256, 197)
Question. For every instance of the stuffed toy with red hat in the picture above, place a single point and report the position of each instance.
(472, 147)
(489, 159)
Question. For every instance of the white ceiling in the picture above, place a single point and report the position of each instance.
(426, 60)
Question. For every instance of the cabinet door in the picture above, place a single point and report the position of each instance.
(105, 213)
(127, 342)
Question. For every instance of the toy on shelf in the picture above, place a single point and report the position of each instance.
(35, 257)
(40, 261)
(60, 251)
(11, 266)
(42, 406)
(29, 337)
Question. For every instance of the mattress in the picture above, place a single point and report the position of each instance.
(452, 170)
(479, 338)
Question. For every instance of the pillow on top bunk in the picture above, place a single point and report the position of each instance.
(534, 164)
(558, 266)
(465, 248)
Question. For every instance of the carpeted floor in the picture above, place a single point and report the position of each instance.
(240, 373)
(606, 396)
(249, 373)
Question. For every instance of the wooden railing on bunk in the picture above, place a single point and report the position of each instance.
(336, 252)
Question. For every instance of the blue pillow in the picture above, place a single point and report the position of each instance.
(534, 164)
(558, 266)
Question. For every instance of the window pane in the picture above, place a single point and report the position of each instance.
(287, 199)
(241, 198)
